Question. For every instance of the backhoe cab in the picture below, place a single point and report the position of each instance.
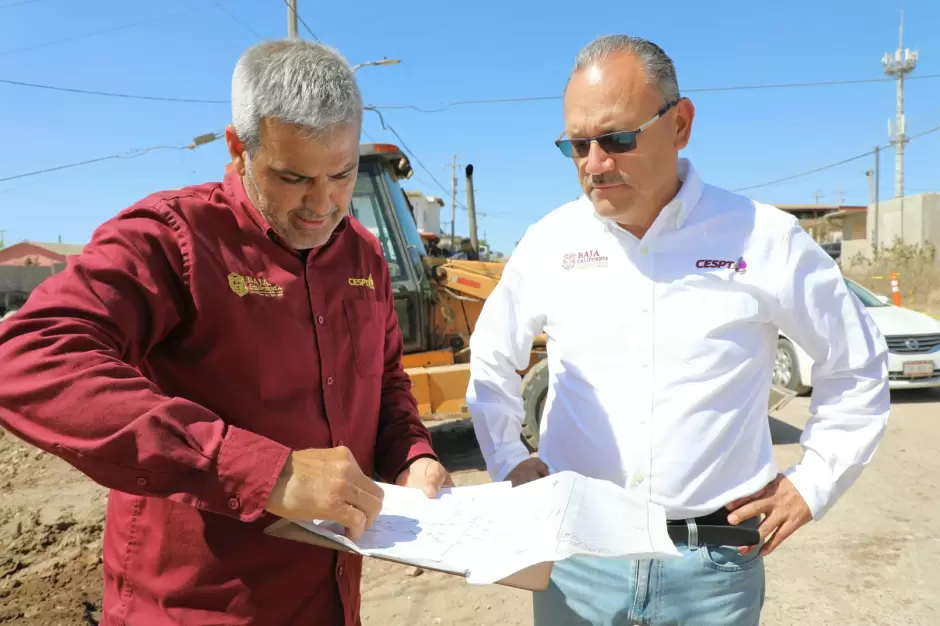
(437, 299)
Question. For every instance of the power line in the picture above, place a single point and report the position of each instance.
(802, 174)
(235, 19)
(16, 4)
(133, 154)
(96, 33)
(831, 165)
(454, 103)
(405, 147)
(111, 94)
(301, 20)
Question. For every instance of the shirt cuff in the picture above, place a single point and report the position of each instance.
(399, 459)
(506, 459)
(809, 478)
(247, 468)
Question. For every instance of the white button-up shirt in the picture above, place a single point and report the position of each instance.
(661, 352)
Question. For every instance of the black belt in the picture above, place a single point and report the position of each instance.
(712, 529)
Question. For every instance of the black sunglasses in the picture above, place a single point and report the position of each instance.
(613, 143)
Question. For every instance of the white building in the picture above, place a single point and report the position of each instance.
(427, 211)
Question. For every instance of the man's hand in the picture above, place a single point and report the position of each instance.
(425, 474)
(783, 508)
(531, 469)
(326, 484)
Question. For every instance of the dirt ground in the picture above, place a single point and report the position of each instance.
(872, 560)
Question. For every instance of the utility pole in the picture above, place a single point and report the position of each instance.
(903, 62)
(877, 218)
(471, 210)
(291, 19)
(453, 203)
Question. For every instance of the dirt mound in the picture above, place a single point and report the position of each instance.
(51, 521)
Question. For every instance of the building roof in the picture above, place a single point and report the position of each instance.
(417, 194)
(63, 249)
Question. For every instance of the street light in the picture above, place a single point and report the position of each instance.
(379, 62)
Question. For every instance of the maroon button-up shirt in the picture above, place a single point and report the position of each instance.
(177, 361)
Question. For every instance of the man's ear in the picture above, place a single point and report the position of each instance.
(236, 150)
(685, 114)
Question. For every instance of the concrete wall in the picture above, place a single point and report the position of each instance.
(913, 219)
(25, 279)
(851, 247)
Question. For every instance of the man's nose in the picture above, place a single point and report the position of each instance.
(598, 161)
(317, 198)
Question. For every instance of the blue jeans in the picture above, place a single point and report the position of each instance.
(709, 586)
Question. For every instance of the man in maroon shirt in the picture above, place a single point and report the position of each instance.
(209, 359)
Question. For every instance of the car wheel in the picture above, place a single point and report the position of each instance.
(787, 368)
(534, 392)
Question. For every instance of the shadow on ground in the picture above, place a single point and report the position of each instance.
(915, 396)
(457, 446)
(783, 434)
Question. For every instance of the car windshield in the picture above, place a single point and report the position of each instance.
(868, 298)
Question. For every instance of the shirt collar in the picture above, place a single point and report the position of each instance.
(248, 216)
(678, 209)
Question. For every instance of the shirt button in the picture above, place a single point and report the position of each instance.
(329, 380)
(341, 570)
(233, 503)
(320, 319)
(643, 250)
(340, 442)
(637, 478)
(141, 482)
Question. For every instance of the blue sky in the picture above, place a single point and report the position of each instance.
(485, 49)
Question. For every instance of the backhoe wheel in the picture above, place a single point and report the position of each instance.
(534, 392)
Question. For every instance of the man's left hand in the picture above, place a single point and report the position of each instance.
(783, 508)
(425, 474)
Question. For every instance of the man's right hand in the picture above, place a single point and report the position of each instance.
(531, 469)
(327, 484)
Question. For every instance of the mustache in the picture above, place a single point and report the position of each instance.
(309, 214)
(610, 178)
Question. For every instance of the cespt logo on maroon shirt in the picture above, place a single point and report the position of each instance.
(739, 266)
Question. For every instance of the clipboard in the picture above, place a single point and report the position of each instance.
(533, 578)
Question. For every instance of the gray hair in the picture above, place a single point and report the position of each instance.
(297, 82)
(660, 69)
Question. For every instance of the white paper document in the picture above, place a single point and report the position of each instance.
(491, 531)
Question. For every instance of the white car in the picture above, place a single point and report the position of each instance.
(913, 347)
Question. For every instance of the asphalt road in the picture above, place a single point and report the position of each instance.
(873, 560)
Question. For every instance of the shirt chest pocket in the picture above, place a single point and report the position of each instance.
(708, 325)
(365, 320)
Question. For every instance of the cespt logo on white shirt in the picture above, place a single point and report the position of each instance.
(739, 266)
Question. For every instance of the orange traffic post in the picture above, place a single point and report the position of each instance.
(895, 291)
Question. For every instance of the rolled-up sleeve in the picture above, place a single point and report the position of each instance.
(850, 399)
(70, 382)
(499, 349)
(402, 436)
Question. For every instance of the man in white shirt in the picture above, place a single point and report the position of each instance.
(661, 297)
